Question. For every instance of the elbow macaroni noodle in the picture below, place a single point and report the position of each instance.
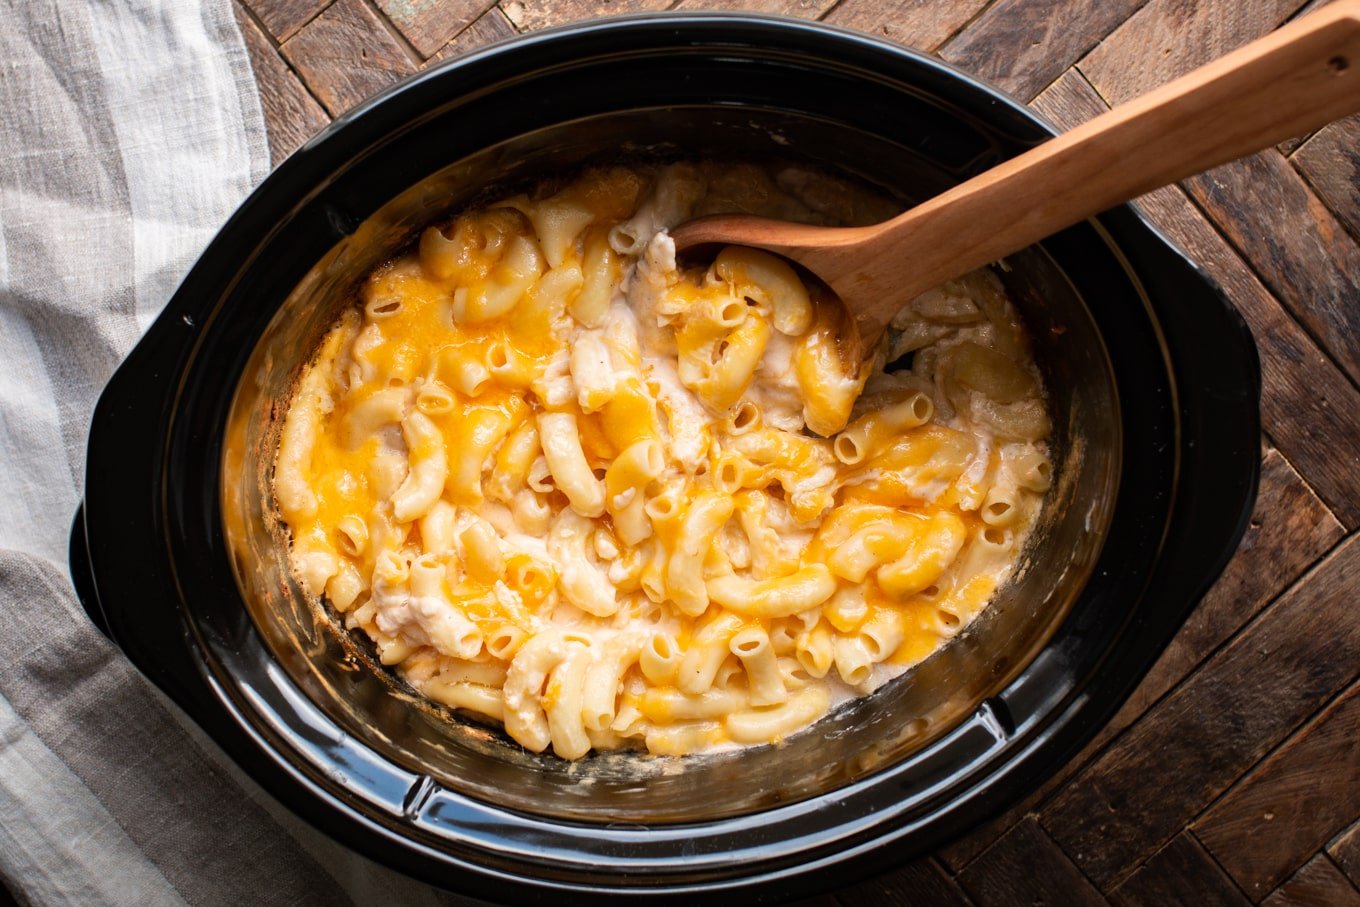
(608, 502)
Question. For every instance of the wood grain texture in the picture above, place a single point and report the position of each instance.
(1170, 765)
(284, 17)
(1318, 884)
(346, 54)
(1303, 254)
(488, 28)
(1022, 46)
(1069, 101)
(958, 854)
(1330, 161)
(1290, 806)
(1275, 87)
(1289, 528)
(291, 114)
(1308, 407)
(429, 24)
(1168, 38)
(1026, 869)
(1262, 204)
(1180, 873)
(1344, 849)
(803, 9)
(920, 24)
(1289, 146)
(527, 15)
(917, 883)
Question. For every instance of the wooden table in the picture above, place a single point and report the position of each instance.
(1233, 774)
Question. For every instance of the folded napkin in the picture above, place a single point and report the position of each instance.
(129, 131)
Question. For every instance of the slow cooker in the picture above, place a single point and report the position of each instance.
(176, 554)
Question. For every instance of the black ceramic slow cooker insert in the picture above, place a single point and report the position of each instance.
(1154, 385)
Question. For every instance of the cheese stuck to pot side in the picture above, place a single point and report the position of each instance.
(609, 502)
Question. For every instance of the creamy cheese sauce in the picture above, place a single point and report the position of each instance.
(609, 502)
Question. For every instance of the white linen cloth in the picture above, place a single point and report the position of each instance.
(129, 131)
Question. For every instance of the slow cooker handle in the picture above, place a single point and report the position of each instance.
(153, 643)
(82, 577)
(1217, 362)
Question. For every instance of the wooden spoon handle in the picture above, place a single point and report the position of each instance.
(1288, 83)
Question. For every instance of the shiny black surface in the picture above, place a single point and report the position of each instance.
(160, 582)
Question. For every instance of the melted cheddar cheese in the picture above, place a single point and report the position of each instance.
(606, 501)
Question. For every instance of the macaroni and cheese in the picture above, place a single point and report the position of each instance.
(607, 501)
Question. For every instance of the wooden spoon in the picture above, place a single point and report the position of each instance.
(1286, 84)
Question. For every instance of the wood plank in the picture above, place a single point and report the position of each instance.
(345, 55)
(1330, 161)
(803, 9)
(1262, 204)
(282, 18)
(1022, 46)
(1292, 804)
(1025, 868)
(919, 882)
(1290, 146)
(1069, 101)
(1345, 850)
(430, 24)
(490, 27)
(1297, 246)
(1307, 406)
(1289, 529)
(1318, 884)
(527, 15)
(960, 853)
(1180, 873)
(924, 26)
(1168, 38)
(1185, 752)
(1166, 46)
(291, 114)
(1311, 7)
